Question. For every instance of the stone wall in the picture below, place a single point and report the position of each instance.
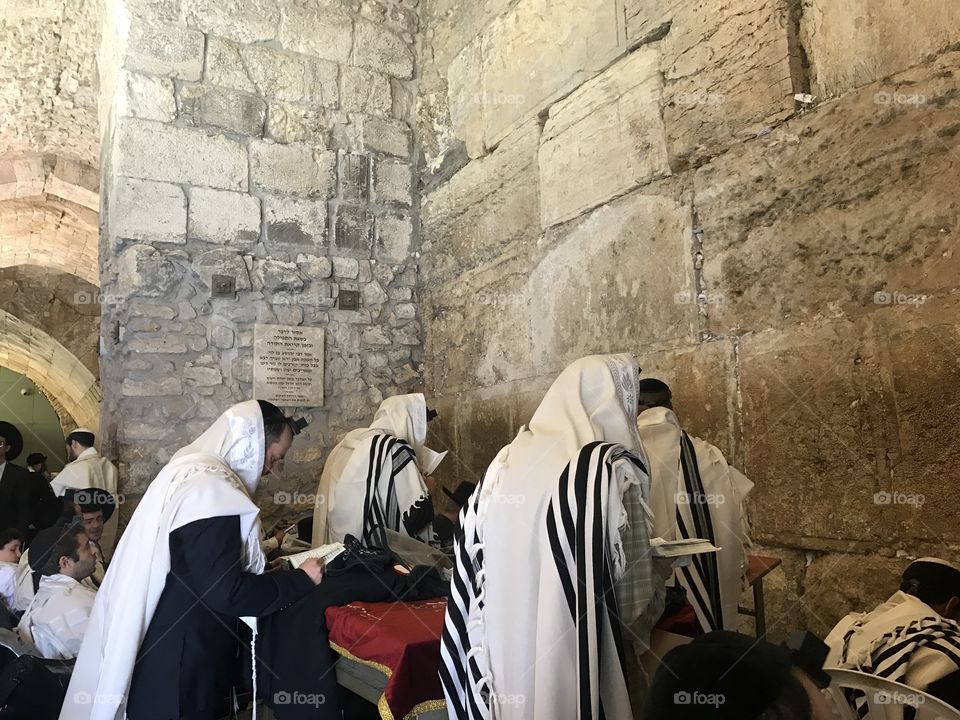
(604, 176)
(267, 142)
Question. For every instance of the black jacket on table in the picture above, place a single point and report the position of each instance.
(189, 659)
(16, 500)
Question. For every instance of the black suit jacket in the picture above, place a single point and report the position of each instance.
(16, 500)
(188, 660)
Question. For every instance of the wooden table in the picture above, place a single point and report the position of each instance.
(759, 566)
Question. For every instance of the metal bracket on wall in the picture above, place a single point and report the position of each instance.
(223, 286)
(348, 300)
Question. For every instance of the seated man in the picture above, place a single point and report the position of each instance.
(695, 493)
(374, 478)
(10, 540)
(728, 676)
(913, 638)
(57, 617)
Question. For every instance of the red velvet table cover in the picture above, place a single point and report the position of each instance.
(402, 640)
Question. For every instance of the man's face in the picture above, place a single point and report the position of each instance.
(93, 523)
(10, 552)
(276, 452)
(72, 450)
(85, 564)
(4, 448)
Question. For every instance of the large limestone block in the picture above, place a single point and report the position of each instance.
(238, 112)
(860, 41)
(851, 200)
(377, 48)
(225, 218)
(326, 35)
(272, 74)
(365, 91)
(166, 50)
(459, 228)
(726, 73)
(603, 140)
(296, 221)
(148, 211)
(535, 53)
(923, 343)
(613, 275)
(296, 168)
(836, 584)
(484, 426)
(145, 96)
(814, 434)
(246, 21)
(155, 151)
(483, 313)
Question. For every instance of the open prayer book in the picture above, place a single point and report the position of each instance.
(680, 548)
(324, 552)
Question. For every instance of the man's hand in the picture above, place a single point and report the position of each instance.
(278, 564)
(314, 568)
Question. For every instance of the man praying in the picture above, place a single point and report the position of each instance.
(913, 638)
(694, 493)
(374, 478)
(162, 641)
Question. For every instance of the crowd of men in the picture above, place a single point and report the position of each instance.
(561, 577)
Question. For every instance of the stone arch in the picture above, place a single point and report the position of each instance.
(49, 214)
(72, 389)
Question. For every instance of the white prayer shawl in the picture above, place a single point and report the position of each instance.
(8, 584)
(90, 470)
(369, 478)
(705, 501)
(531, 629)
(56, 620)
(212, 477)
(904, 640)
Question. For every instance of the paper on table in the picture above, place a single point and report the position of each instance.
(680, 548)
(323, 552)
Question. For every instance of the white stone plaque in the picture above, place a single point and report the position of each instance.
(288, 365)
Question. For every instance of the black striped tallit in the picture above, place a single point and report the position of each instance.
(701, 577)
(380, 507)
(588, 585)
(578, 544)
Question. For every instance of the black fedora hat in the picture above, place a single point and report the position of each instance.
(13, 437)
(462, 493)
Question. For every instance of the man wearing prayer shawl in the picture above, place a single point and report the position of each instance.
(88, 469)
(694, 493)
(161, 642)
(374, 478)
(913, 638)
(553, 567)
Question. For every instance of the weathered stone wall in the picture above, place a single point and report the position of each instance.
(602, 176)
(266, 141)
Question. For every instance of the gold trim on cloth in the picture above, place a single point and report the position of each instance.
(385, 712)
